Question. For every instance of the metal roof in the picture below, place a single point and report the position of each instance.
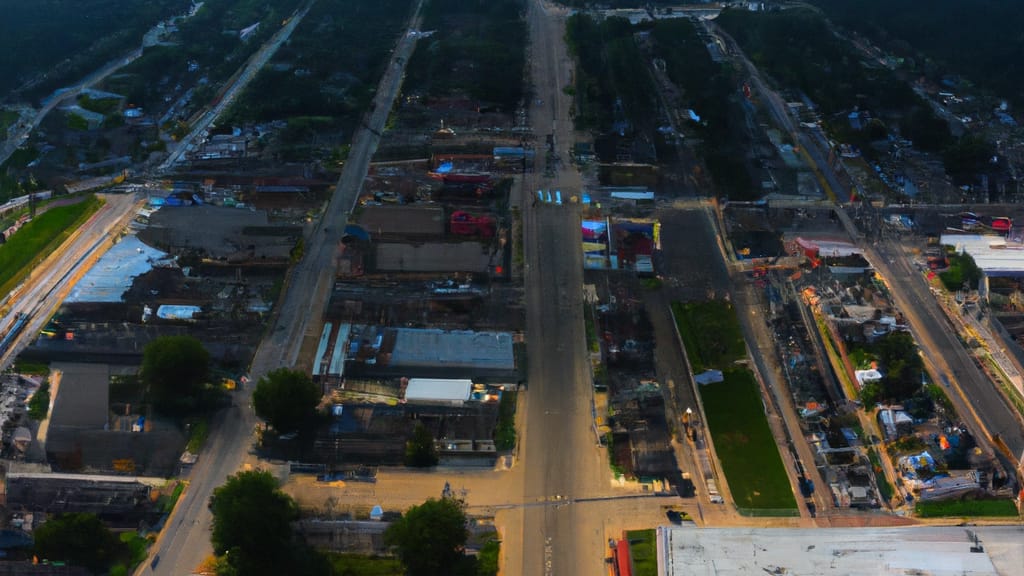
(438, 390)
(935, 551)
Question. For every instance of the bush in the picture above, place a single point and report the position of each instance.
(39, 405)
(420, 451)
(505, 431)
(958, 508)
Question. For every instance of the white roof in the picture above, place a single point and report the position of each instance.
(993, 254)
(864, 376)
(936, 551)
(438, 390)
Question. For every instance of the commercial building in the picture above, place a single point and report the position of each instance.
(995, 255)
(935, 551)
(438, 391)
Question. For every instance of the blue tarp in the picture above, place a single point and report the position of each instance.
(357, 231)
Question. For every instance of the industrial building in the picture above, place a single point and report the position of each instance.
(121, 501)
(84, 434)
(995, 255)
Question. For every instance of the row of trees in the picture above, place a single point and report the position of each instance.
(253, 536)
(60, 41)
(799, 49)
(610, 68)
(478, 49)
(328, 67)
(711, 90)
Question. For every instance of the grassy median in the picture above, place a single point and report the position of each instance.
(734, 409)
(969, 508)
(710, 333)
(744, 443)
(39, 238)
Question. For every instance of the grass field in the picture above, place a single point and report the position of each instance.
(956, 508)
(710, 333)
(744, 443)
(39, 238)
(644, 552)
(366, 565)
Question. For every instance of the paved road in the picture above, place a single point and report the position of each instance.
(976, 398)
(560, 457)
(49, 283)
(301, 312)
(235, 87)
(185, 542)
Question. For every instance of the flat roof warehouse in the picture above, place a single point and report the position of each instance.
(932, 551)
(995, 256)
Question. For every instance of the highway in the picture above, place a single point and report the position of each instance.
(39, 296)
(185, 541)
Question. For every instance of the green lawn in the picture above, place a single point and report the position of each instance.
(744, 443)
(710, 333)
(957, 508)
(356, 564)
(39, 238)
(643, 550)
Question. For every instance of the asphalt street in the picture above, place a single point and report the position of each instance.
(185, 542)
(237, 84)
(976, 398)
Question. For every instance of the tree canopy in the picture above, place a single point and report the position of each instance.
(978, 39)
(430, 538)
(252, 520)
(420, 451)
(901, 365)
(175, 368)
(286, 399)
(79, 539)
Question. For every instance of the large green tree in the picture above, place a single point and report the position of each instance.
(176, 369)
(252, 524)
(286, 399)
(902, 366)
(79, 539)
(430, 538)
